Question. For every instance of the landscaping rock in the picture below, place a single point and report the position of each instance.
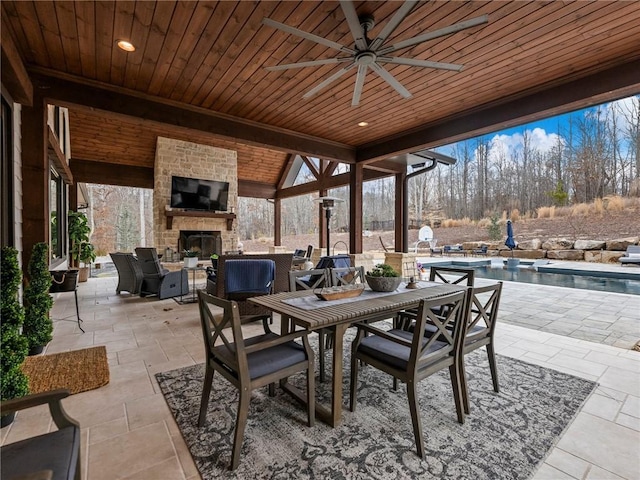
(622, 243)
(603, 256)
(589, 244)
(533, 244)
(557, 244)
(531, 254)
(566, 254)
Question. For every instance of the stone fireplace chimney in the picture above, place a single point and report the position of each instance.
(187, 159)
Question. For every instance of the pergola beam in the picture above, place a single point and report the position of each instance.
(74, 93)
(608, 85)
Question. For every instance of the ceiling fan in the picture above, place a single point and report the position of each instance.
(371, 54)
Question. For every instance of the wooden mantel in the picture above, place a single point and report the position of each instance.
(229, 217)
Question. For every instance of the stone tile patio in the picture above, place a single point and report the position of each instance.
(128, 433)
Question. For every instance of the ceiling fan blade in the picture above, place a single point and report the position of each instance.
(402, 12)
(412, 62)
(307, 35)
(357, 91)
(328, 80)
(354, 24)
(312, 63)
(435, 34)
(390, 79)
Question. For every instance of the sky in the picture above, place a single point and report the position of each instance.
(544, 133)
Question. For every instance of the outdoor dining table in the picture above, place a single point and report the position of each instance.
(305, 309)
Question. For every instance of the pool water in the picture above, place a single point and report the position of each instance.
(526, 275)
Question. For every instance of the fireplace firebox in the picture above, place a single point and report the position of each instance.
(206, 243)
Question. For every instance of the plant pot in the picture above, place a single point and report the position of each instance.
(383, 284)
(83, 276)
(6, 420)
(37, 350)
(190, 262)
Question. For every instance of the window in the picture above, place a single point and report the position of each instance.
(6, 175)
(57, 209)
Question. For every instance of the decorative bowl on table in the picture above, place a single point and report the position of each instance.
(336, 293)
(383, 284)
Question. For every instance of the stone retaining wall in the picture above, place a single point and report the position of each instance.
(599, 251)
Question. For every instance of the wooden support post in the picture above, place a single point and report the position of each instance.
(322, 224)
(277, 222)
(355, 213)
(35, 178)
(399, 211)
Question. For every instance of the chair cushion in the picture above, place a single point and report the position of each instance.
(51, 451)
(266, 361)
(393, 353)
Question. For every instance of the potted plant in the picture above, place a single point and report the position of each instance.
(190, 258)
(383, 278)
(13, 349)
(81, 249)
(37, 325)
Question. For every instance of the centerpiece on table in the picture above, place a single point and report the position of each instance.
(383, 278)
(190, 258)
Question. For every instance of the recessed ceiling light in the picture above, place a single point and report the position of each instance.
(126, 46)
(363, 124)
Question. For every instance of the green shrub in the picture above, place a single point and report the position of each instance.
(494, 229)
(383, 270)
(13, 350)
(37, 324)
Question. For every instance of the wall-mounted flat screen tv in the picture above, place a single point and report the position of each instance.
(199, 194)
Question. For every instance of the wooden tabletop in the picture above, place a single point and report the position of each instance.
(361, 308)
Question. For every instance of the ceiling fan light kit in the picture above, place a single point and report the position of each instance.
(371, 54)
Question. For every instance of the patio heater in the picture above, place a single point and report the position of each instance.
(328, 203)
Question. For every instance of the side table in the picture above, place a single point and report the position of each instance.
(192, 296)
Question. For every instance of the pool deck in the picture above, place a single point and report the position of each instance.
(602, 317)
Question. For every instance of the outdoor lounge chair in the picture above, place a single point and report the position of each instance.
(631, 256)
(454, 250)
(157, 280)
(130, 274)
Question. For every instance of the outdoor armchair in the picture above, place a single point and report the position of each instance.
(157, 280)
(249, 363)
(246, 278)
(57, 451)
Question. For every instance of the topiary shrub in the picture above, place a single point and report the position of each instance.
(13, 350)
(37, 324)
(494, 228)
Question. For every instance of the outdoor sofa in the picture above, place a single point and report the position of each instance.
(631, 256)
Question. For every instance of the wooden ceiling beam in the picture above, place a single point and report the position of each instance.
(328, 183)
(87, 171)
(14, 74)
(73, 93)
(251, 189)
(608, 85)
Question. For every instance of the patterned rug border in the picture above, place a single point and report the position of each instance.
(509, 438)
(76, 370)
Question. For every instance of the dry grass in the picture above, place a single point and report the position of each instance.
(580, 210)
(463, 222)
(615, 204)
(546, 212)
(515, 215)
(598, 206)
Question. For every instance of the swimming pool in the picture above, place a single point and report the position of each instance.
(587, 282)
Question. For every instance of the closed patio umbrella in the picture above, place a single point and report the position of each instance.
(510, 242)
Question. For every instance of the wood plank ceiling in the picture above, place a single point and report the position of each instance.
(212, 55)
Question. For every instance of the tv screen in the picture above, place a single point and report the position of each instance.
(198, 194)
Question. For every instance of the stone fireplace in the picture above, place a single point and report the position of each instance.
(206, 243)
(210, 231)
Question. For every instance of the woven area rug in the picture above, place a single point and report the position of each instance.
(506, 436)
(77, 371)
